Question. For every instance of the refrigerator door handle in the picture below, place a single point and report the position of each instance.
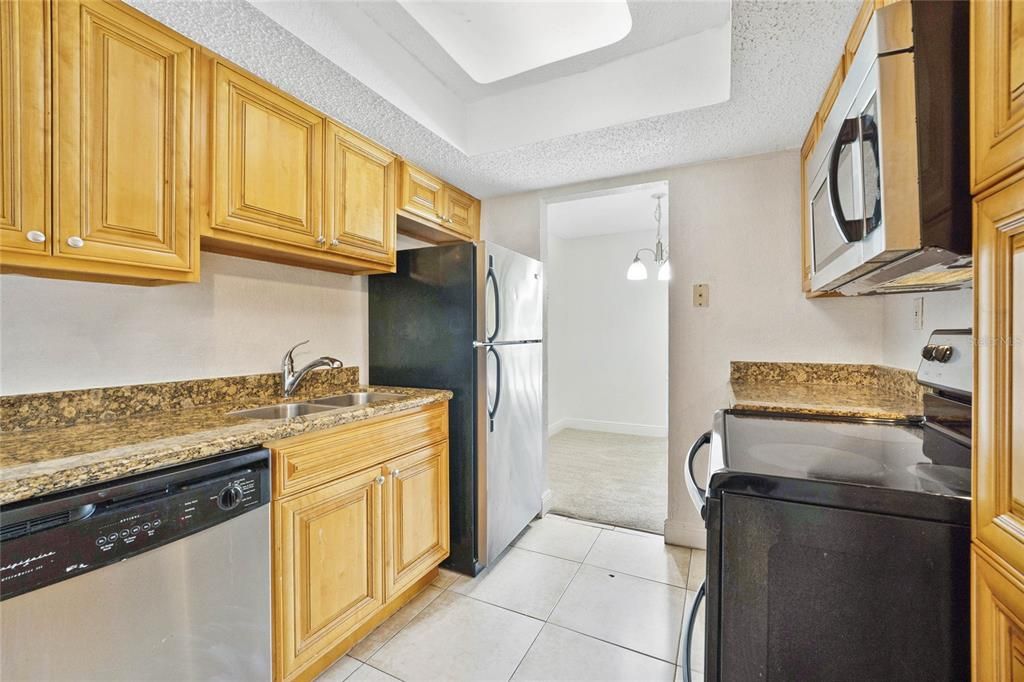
(492, 283)
(492, 407)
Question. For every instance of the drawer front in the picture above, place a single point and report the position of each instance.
(306, 461)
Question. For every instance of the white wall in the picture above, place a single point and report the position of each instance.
(607, 337)
(735, 225)
(942, 310)
(240, 319)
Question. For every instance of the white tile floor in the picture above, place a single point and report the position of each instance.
(569, 601)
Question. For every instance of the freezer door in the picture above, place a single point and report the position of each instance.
(513, 290)
(513, 440)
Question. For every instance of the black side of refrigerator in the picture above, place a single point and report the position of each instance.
(422, 326)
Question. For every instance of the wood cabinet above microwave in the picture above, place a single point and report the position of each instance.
(434, 211)
(285, 184)
(96, 117)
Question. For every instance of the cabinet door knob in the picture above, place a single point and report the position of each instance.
(335, 242)
(395, 473)
(35, 236)
(76, 242)
(380, 480)
(321, 240)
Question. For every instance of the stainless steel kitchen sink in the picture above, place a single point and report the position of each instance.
(334, 402)
(354, 399)
(284, 411)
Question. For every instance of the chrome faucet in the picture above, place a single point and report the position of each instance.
(290, 378)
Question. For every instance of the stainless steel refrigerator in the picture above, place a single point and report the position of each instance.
(469, 318)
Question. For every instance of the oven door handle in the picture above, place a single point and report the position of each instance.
(851, 230)
(697, 494)
(690, 625)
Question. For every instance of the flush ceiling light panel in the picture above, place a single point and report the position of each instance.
(495, 40)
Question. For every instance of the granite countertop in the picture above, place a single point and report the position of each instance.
(829, 390)
(84, 449)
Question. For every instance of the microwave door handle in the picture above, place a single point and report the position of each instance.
(851, 230)
(869, 134)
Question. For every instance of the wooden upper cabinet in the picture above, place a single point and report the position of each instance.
(461, 213)
(997, 84)
(360, 197)
(810, 140)
(416, 515)
(832, 91)
(267, 149)
(999, 378)
(123, 142)
(24, 128)
(328, 545)
(421, 193)
(431, 210)
(860, 25)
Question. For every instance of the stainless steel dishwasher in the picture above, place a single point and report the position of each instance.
(163, 576)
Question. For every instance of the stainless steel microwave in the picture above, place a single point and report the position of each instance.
(888, 182)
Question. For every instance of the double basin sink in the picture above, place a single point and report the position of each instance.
(334, 402)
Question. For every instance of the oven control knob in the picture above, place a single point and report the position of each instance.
(942, 353)
(928, 352)
(229, 498)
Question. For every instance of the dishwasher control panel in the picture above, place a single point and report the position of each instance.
(40, 551)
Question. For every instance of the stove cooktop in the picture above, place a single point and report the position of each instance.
(873, 467)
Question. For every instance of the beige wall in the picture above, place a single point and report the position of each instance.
(734, 225)
(239, 319)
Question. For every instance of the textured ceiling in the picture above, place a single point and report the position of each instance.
(783, 54)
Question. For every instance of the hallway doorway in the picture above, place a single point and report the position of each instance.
(607, 367)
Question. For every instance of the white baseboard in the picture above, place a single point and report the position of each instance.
(608, 427)
(545, 502)
(686, 534)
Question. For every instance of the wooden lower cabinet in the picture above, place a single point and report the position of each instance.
(349, 551)
(327, 549)
(998, 618)
(417, 537)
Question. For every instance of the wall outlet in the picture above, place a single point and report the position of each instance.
(700, 296)
(919, 313)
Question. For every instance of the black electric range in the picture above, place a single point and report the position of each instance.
(839, 550)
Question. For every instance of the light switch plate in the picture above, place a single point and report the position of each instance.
(700, 296)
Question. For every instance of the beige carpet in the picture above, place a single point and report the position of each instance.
(610, 477)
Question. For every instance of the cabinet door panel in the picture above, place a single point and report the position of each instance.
(360, 181)
(417, 519)
(421, 193)
(268, 162)
(24, 126)
(998, 617)
(124, 128)
(997, 84)
(461, 213)
(999, 380)
(329, 566)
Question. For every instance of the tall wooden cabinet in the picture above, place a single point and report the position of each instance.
(99, 185)
(360, 523)
(997, 109)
